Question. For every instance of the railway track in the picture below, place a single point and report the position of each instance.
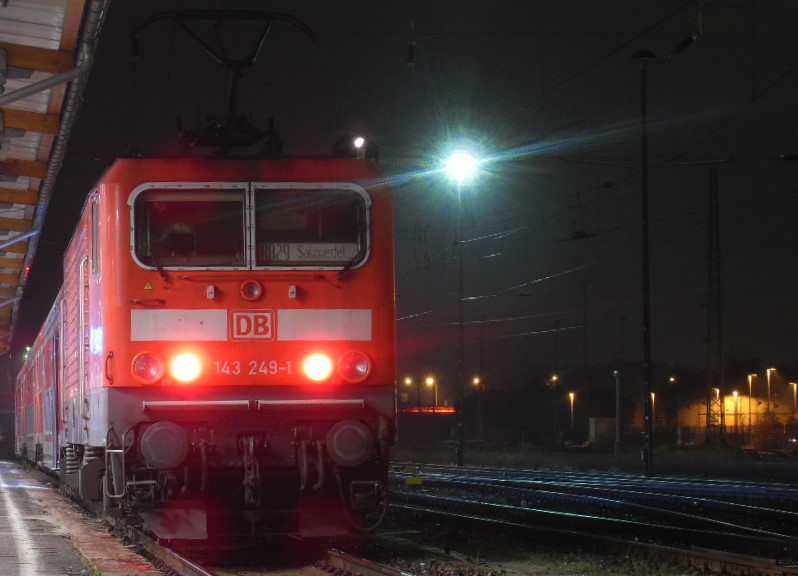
(648, 545)
(754, 524)
(739, 508)
(328, 561)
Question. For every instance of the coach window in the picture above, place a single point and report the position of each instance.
(319, 227)
(188, 228)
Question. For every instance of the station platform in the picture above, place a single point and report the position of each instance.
(44, 533)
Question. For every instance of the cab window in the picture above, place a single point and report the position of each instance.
(190, 228)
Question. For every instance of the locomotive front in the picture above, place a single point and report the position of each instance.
(239, 321)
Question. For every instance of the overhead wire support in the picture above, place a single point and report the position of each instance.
(233, 133)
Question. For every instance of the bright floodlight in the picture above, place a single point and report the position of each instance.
(460, 165)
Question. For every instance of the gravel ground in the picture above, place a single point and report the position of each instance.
(425, 554)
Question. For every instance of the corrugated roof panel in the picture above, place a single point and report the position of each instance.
(18, 183)
(37, 24)
(25, 147)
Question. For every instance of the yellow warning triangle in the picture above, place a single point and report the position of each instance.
(148, 286)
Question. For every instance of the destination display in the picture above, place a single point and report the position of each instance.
(304, 252)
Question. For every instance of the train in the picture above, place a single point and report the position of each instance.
(220, 358)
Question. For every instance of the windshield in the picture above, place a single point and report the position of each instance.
(314, 226)
(190, 228)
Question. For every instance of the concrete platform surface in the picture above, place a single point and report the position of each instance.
(44, 533)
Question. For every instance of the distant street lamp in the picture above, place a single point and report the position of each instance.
(477, 382)
(551, 384)
(408, 382)
(571, 396)
(736, 399)
(430, 381)
(794, 386)
(460, 165)
(767, 372)
(653, 408)
(750, 377)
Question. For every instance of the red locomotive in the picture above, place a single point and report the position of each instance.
(220, 357)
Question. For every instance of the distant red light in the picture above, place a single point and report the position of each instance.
(431, 410)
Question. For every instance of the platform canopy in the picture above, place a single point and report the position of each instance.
(46, 51)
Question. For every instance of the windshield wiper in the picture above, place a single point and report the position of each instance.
(348, 266)
(154, 260)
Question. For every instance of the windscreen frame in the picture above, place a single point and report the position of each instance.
(250, 190)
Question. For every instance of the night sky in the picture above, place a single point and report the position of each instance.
(549, 96)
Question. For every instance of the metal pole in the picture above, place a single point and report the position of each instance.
(47, 83)
(460, 331)
(768, 378)
(644, 57)
(571, 396)
(750, 376)
(617, 375)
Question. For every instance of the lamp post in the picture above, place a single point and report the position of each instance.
(767, 372)
(654, 409)
(617, 374)
(571, 397)
(645, 57)
(551, 384)
(460, 165)
(750, 378)
(794, 387)
(409, 382)
(477, 382)
(430, 381)
(736, 399)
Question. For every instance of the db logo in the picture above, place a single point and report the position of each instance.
(252, 324)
